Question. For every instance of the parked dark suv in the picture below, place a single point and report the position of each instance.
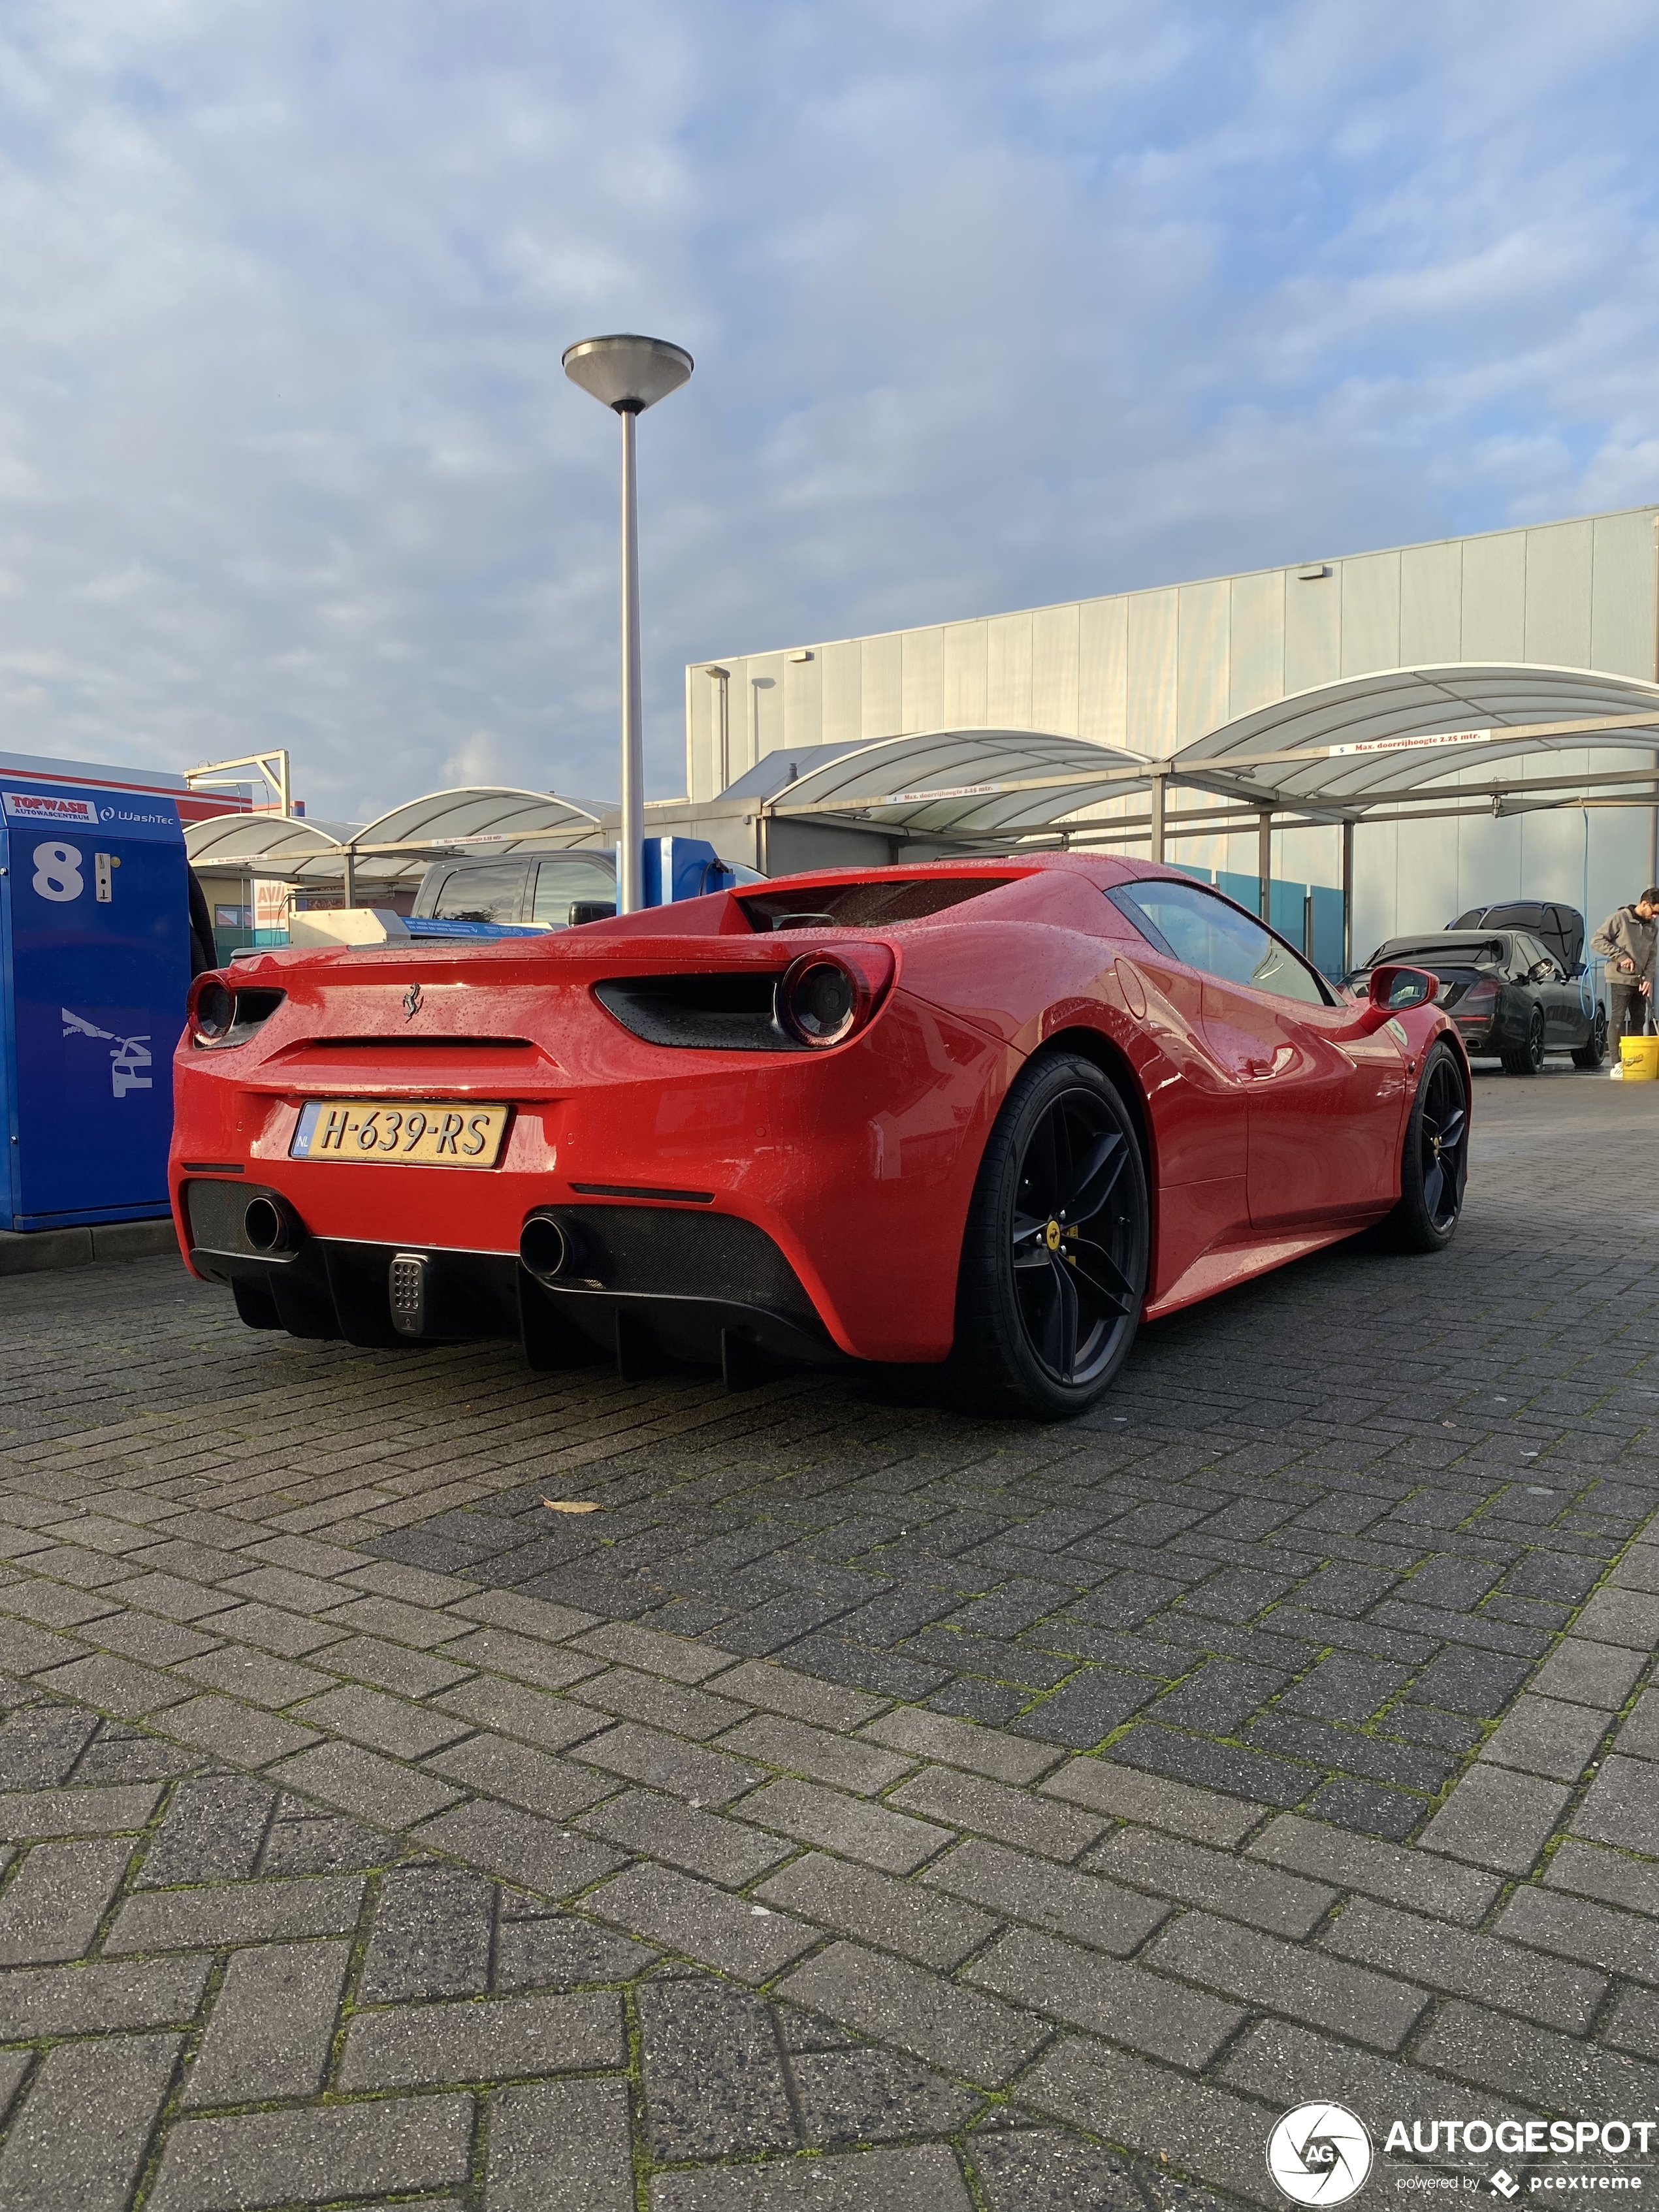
(558, 889)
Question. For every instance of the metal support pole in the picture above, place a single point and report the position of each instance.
(1264, 863)
(690, 749)
(350, 885)
(1347, 897)
(630, 854)
(1159, 792)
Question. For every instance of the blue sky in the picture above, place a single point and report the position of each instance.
(991, 305)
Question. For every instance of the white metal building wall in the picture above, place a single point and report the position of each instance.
(1153, 670)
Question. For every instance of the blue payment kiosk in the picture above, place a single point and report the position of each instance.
(95, 971)
(681, 868)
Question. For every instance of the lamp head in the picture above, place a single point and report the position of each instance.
(627, 373)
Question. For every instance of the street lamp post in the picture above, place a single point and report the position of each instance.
(630, 374)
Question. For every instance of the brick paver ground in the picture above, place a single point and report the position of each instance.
(864, 1807)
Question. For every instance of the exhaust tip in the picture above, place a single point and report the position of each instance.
(265, 1226)
(544, 1249)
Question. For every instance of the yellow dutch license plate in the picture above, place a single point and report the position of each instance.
(415, 1133)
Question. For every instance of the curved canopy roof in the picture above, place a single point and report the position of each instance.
(279, 846)
(1348, 744)
(1341, 749)
(965, 783)
(476, 819)
(479, 814)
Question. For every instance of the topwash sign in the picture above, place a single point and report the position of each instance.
(49, 806)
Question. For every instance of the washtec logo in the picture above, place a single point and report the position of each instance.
(1320, 2155)
(126, 814)
(42, 806)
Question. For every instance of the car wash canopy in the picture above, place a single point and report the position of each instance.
(1456, 738)
(1411, 740)
(396, 847)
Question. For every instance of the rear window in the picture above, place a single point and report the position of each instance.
(562, 885)
(1414, 953)
(492, 892)
(877, 904)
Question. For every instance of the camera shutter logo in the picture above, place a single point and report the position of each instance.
(1320, 2153)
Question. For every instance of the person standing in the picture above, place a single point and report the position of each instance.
(1628, 941)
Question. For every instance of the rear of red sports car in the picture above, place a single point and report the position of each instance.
(987, 1108)
(733, 1129)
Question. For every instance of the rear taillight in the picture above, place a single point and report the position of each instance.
(824, 998)
(212, 1009)
(220, 1015)
(820, 999)
(1477, 1006)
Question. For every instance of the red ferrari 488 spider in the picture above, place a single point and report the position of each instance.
(991, 1112)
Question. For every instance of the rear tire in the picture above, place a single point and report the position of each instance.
(1591, 1055)
(1434, 1163)
(1530, 1058)
(1054, 1257)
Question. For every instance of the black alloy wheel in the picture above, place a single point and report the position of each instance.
(1434, 1165)
(1054, 1259)
(1594, 1050)
(1530, 1058)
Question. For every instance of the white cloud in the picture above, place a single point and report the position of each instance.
(990, 307)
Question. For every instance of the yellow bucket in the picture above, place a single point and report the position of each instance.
(1639, 1058)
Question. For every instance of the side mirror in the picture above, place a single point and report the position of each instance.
(1396, 990)
(1390, 991)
